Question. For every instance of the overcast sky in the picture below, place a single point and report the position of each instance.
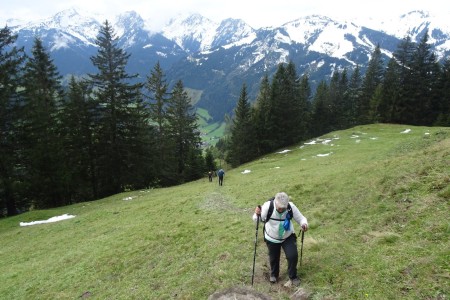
(257, 13)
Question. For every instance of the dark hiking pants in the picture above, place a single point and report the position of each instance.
(290, 250)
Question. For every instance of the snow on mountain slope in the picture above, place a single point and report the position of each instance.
(324, 35)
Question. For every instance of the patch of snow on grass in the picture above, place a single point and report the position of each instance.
(323, 155)
(51, 220)
(284, 151)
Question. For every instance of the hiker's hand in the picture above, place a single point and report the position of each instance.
(258, 210)
(305, 227)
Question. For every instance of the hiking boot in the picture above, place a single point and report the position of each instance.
(292, 282)
(273, 279)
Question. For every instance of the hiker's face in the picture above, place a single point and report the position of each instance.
(281, 209)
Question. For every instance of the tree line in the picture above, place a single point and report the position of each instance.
(97, 136)
(411, 88)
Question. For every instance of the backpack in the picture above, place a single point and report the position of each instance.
(270, 211)
(221, 172)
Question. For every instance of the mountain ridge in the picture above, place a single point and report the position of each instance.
(217, 57)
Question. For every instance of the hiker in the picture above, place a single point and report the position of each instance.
(276, 214)
(221, 173)
(210, 173)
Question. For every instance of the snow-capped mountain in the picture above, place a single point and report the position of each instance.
(216, 58)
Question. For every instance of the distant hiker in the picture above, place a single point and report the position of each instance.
(276, 214)
(221, 173)
(210, 173)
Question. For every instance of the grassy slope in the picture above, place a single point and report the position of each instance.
(378, 208)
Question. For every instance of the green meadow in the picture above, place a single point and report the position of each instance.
(376, 198)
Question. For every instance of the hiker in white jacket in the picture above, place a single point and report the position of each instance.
(279, 233)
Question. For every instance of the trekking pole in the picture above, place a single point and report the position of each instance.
(301, 249)
(254, 255)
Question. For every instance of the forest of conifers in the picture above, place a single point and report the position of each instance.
(105, 133)
(411, 88)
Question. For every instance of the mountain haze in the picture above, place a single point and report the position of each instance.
(216, 57)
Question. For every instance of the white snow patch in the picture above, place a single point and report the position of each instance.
(323, 155)
(51, 220)
(245, 171)
(284, 151)
(406, 131)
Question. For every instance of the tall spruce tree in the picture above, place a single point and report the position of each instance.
(183, 132)
(123, 123)
(242, 146)
(285, 103)
(353, 95)
(262, 120)
(11, 60)
(390, 94)
(334, 100)
(304, 109)
(321, 112)
(403, 109)
(425, 73)
(43, 148)
(78, 128)
(443, 118)
(372, 79)
(158, 97)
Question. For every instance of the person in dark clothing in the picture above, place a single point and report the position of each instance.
(210, 174)
(279, 233)
(221, 173)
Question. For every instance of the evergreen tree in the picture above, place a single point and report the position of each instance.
(43, 148)
(78, 134)
(183, 132)
(390, 94)
(334, 100)
(443, 118)
(123, 121)
(158, 97)
(262, 120)
(342, 103)
(372, 79)
(321, 112)
(402, 112)
(425, 73)
(304, 109)
(353, 95)
(287, 114)
(242, 146)
(11, 60)
(210, 164)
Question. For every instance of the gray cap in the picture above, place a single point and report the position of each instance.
(281, 200)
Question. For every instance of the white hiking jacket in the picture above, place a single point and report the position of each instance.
(274, 230)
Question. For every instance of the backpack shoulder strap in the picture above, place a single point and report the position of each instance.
(270, 211)
(290, 213)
